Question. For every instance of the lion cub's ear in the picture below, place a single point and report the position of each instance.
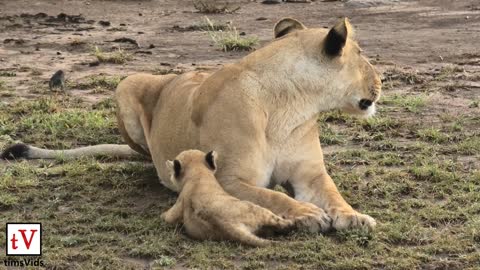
(287, 25)
(175, 167)
(337, 37)
(211, 159)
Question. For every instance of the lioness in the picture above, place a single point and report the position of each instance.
(207, 211)
(260, 115)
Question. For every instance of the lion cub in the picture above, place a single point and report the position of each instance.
(208, 212)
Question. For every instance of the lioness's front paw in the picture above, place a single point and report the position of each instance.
(348, 219)
(310, 217)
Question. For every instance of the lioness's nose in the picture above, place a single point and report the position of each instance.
(365, 103)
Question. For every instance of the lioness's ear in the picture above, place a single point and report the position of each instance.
(174, 167)
(211, 159)
(336, 38)
(287, 25)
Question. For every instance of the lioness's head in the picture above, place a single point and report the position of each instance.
(190, 161)
(333, 61)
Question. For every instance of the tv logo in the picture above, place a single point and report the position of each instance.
(24, 239)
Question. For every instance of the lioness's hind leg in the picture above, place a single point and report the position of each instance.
(137, 96)
(136, 140)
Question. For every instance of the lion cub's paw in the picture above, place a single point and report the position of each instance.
(286, 224)
(167, 217)
(351, 219)
(310, 217)
(163, 216)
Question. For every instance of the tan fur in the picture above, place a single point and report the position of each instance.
(260, 114)
(208, 212)
(135, 108)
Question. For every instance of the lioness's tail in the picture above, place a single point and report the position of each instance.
(19, 151)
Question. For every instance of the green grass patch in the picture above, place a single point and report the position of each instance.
(98, 83)
(72, 124)
(165, 71)
(116, 57)
(230, 39)
(206, 25)
(5, 91)
(329, 137)
(336, 117)
(469, 146)
(474, 104)
(433, 174)
(447, 72)
(48, 121)
(410, 102)
(380, 124)
(7, 74)
(433, 135)
(407, 77)
(214, 6)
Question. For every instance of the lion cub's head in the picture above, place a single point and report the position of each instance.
(332, 60)
(190, 162)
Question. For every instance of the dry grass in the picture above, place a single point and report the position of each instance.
(214, 6)
(117, 57)
(230, 39)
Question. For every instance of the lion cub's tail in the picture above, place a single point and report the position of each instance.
(23, 151)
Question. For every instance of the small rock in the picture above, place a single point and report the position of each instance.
(104, 23)
(369, 3)
(242, 33)
(261, 19)
(59, 53)
(143, 52)
(127, 40)
(14, 40)
(271, 1)
(151, 46)
(40, 15)
(94, 63)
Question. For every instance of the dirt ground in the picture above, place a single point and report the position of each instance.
(414, 167)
